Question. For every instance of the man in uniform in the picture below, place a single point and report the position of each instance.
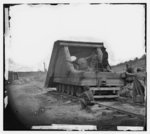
(135, 85)
(83, 64)
(95, 63)
(87, 99)
(105, 60)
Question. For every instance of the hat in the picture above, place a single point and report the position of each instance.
(73, 58)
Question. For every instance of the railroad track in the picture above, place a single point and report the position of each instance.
(140, 116)
(123, 99)
(113, 106)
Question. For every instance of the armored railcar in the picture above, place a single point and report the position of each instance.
(75, 65)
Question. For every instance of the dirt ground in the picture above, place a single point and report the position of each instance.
(35, 105)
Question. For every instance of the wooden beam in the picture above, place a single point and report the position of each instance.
(105, 96)
(104, 88)
(80, 44)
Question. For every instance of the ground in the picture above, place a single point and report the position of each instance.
(35, 105)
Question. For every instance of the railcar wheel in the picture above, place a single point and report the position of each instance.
(59, 88)
(63, 88)
(68, 89)
(72, 90)
(78, 91)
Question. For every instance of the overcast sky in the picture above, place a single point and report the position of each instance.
(35, 28)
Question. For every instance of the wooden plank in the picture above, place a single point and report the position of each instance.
(88, 82)
(114, 82)
(104, 88)
(80, 44)
(94, 82)
(108, 75)
(105, 96)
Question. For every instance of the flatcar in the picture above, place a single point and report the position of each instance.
(75, 65)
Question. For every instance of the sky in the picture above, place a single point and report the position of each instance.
(34, 29)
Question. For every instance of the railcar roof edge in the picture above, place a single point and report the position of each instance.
(79, 43)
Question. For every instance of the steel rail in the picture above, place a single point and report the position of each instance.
(110, 107)
(122, 111)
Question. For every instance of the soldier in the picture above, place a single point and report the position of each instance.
(95, 64)
(87, 99)
(136, 83)
(73, 60)
(105, 63)
(95, 61)
(83, 64)
(129, 69)
(80, 63)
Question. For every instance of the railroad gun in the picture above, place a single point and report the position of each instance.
(75, 65)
